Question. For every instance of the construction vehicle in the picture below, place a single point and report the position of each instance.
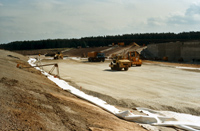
(58, 56)
(119, 62)
(126, 59)
(96, 56)
(119, 44)
(134, 57)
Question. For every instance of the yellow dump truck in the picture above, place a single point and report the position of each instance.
(120, 63)
(96, 56)
(134, 57)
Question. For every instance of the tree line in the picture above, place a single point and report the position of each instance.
(145, 38)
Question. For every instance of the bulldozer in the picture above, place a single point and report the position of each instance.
(58, 56)
(119, 62)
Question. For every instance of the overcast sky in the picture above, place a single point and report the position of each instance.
(52, 19)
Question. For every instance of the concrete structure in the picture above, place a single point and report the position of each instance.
(176, 51)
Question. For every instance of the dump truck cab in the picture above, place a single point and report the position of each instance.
(100, 55)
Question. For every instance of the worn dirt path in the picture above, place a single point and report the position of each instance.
(153, 85)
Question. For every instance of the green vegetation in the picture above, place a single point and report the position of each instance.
(140, 39)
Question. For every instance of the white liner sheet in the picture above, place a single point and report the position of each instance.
(187, 68)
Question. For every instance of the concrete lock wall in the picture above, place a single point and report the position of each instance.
(153, 48)
(173, 51)
(188, 51)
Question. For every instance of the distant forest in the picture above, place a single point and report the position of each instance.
(145, 38)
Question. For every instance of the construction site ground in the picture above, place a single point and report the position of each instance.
(30, 101)
(154, 85)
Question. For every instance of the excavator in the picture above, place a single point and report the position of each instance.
(126, 59)
(134, 57)
(58, 56)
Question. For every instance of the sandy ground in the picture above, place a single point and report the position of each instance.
(156, 85)
(29, 101)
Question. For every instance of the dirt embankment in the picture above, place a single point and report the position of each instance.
(29, 101)
(78, 52)
(42, 51)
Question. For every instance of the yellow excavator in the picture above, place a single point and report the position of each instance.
(134, 57)
(58, 56)
(126, 59)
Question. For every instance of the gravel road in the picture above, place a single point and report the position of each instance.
(154, 86)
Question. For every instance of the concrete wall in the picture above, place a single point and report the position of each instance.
(188, 51)
(153, 48)
(191, 51)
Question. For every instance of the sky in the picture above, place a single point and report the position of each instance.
(65, 19)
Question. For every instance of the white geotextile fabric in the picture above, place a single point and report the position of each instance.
(187, 68)
(156, 118)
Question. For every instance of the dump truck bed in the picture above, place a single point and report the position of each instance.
(92, 54)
